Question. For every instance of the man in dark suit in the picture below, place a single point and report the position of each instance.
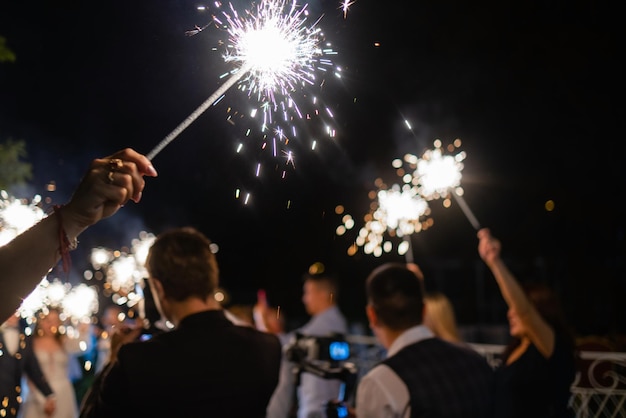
(206, 366)
(422, 376)
(16, 359)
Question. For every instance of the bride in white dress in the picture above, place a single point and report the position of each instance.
(54, 351)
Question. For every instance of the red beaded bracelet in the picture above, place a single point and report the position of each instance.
(65, 245)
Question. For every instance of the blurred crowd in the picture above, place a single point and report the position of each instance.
(195, 357)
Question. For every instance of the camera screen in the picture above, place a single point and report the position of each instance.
(339, 350)
(342, 411)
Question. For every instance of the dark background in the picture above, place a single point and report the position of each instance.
(534, 91)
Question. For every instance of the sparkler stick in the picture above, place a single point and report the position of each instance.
(196, 113)
(467, 211)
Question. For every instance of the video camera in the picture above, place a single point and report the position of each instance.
(325, 357)
(331, 349)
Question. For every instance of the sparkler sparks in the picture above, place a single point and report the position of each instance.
(399, 211)
(78, 302)
(124, 269)
(276, 55)
(345, 5)
(17, 215)
(437, 175)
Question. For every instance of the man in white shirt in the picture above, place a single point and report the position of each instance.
(422, 375)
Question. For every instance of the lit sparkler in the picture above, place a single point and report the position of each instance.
(79, 302)
(397, 212)
(438, 176)
(276, 54)
(123, 270)
(345, 5)
(17, 215)
(47, 293)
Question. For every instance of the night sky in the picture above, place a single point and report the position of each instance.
(533, 90)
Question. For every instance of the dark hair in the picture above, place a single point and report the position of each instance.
(182, 260)
(397, 296)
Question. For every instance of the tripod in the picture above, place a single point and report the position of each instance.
(346, 372)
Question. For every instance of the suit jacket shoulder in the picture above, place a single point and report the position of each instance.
(207, 363)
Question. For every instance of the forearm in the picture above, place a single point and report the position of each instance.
(26, 260)
(510, 288)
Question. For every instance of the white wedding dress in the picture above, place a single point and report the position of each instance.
(56, 368)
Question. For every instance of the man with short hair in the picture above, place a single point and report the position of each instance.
(320, 294)
(206, 366)
(422, 375)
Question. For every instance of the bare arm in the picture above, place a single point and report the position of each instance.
(536, 328)
(29, 257)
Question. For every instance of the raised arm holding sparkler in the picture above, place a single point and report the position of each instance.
(108, 185)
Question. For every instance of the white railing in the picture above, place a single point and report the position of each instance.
(600, 387)
(599, 390)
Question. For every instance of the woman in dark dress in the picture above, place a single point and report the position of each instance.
(538, 366)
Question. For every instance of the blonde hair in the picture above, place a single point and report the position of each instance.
(439, 316)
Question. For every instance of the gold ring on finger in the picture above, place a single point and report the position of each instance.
(110, 177)
(115, 164)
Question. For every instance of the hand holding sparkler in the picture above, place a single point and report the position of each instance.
(107, 185)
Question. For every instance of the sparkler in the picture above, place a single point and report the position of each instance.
(437, 176)
(78, 303)
(397, 212)
(345, 5)
(17, 215)
(276, 54)
(124, 269)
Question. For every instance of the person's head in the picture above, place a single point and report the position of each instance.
(112, 316)
(439, 316)
(49, 322)
(395, 298)
(547, 304)
(182, 267)
(319, 292)
(416, 269)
